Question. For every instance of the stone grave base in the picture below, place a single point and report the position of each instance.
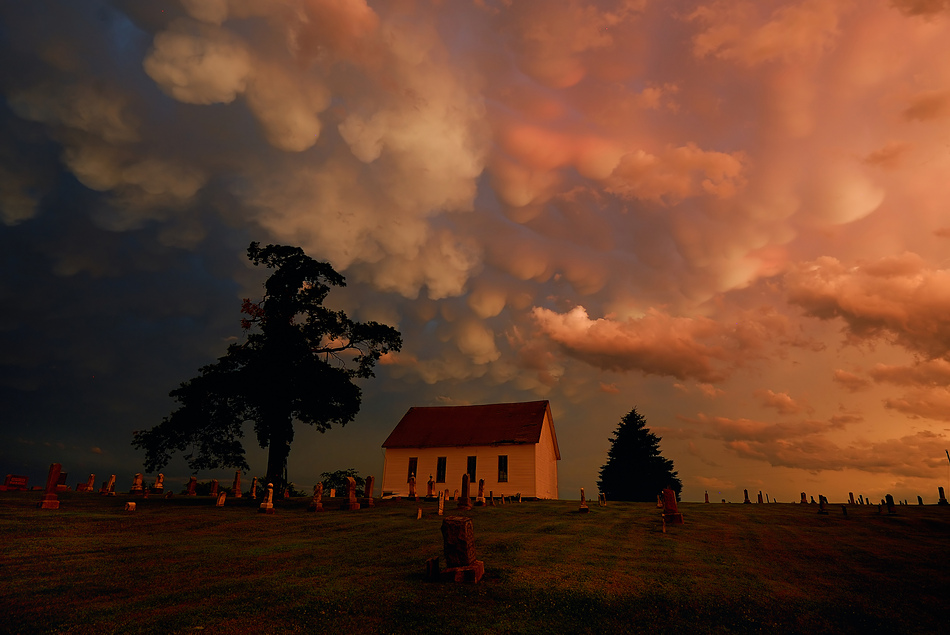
(350, 507)
(472, 573)
(675, 518)
(584, 509)
(267, 510)
(49, 504)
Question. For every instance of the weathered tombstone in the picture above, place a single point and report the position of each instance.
(88, 485)
(136, 484)
(602, 499)
(214, 487)
(746, 493)
(332, 492)
(192, 485)
(267, 507)
(760, 501)
(465, 502)
(821, 505)
(419, 514)
(804, 499)
(236, 486)
(860, 499)
(287, 489)
(480, 498)
(254, 488)
(813, 499)
(491, 498)
(159, 486)
(412, 488)
(316, 503)
(766, 499)
(130, 507)
(583, 508)
(707, 496)
(351, 503)
(920, 501)
(222, 495)
(109, 487)
(430, 488)
(441, 502)
(889, 500)
(671, 513)
(446, 493)
(943, 498)
(851, 498)
(455, 495)
(368, 492)
(50, 500)
(458, 539)
(519, 497)
(14, 483)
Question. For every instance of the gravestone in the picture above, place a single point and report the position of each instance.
(236, 486)
(502, 498)
(332, 492)
(15, 483)
(491, 498)
(412, 488)
(287, 488)
(130, 507)
(760, 501)
(192, 484)
(804, 500)
(480, 499)
(267, 507)
(455, 495)
(419, 514)
(821, 505)
(351, 503)
(316, 503)
(50, 500)
(221, 496)
(707, 496)
(671, 513)
(254, 488)
(464, 501)
(430, 488)
(889, 500)
(214, 487)
(110, 486)
(446, 494)
(368, 492)
(766, 498)
(813, 499)
(920, 501)
(88, 485)
(851, 498)
(458, 540)
(441, 502)
(159, 486)
(602, 499)
(943, 498)
(746, 493)
(583, 508)
(136, 484)
(860, 499)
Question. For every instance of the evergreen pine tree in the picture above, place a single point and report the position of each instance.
(635, 470)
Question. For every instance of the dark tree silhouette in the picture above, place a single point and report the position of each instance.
(635, 470)
(297, 363)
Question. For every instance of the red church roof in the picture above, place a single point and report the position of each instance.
(489, 424)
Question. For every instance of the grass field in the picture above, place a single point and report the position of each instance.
(185, 566)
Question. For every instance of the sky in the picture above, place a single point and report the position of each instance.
(730, 215)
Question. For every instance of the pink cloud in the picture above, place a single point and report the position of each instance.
(782, 403)
(657, 343)
(896, 298)
(850, 381)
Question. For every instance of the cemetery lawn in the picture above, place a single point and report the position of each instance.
(185, 566)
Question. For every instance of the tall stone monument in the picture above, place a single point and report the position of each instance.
(267, 507)
(236, 486)
(464, 500)
(50, 499)
(367, 500)
(316, 503)
(137, 486)
(351, 503)
(192, 485)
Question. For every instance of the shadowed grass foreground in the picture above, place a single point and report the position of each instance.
(185, 566)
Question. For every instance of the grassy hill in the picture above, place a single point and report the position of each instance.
(185, 566)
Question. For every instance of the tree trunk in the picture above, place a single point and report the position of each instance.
(277, 452)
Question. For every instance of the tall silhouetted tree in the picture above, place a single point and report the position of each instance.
(635, 470)
(297, 363)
